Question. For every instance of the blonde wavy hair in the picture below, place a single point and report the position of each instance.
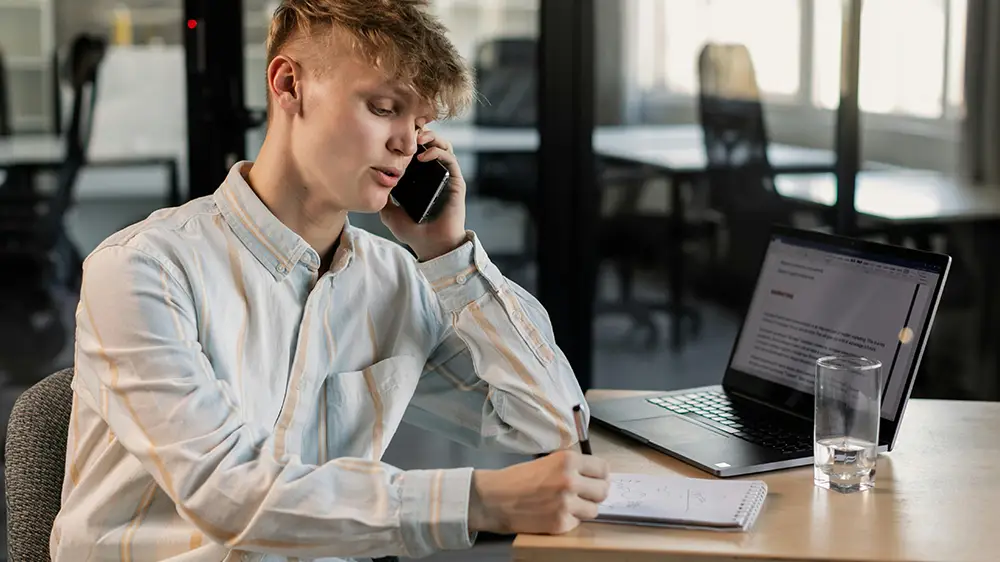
(399, 37)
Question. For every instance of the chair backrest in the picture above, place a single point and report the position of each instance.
(35, 456)
(739, 173)
(730, 111)
(5, 119)
(79, 72)
(506, 74)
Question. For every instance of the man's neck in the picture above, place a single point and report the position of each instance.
(281, 190)
(326, 260)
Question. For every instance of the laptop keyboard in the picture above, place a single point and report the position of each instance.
(715, 409)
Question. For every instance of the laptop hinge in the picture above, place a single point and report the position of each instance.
(767, 405)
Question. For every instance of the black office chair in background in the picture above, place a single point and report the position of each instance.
(79, 71)
(5, 119)
(506, 79)
(34, 327)
(739, 175)
(506, 76)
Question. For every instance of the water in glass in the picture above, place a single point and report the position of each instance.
(848, 400)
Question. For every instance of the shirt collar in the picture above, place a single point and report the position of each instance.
(277, 247)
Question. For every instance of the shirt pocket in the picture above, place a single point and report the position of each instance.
(363, 408)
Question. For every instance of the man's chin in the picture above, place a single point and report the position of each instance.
(372, 204)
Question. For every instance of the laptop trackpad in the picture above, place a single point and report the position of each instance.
(671, 430)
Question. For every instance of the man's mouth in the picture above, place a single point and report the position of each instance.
(387, 177)
(391, 172)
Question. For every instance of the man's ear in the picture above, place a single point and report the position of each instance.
(284, 77)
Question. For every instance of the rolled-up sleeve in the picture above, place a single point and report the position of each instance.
(138, 346)
(497, 377)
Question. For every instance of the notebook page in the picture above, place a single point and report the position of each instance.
(680, 500)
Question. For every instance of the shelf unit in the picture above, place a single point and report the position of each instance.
(27, 41)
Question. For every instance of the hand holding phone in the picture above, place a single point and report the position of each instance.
(427, 211)
(421, 190)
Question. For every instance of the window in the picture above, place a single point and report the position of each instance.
(956, 56)
(671, 33)
(910, 66)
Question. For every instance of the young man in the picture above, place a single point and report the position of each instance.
(244, 360)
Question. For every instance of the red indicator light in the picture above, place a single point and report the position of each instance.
(192, 24)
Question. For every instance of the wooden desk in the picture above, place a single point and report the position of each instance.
(935, 499)
(900, 196)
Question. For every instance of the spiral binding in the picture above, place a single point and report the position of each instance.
(750, 507)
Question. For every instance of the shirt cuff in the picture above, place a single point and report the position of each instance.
(463, 275)
(435, 511)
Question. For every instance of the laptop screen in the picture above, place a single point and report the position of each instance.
(819, 296)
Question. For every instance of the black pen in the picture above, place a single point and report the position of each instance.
(581, 430)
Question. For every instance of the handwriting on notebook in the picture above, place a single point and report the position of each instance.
(632, 492)
(687, 501)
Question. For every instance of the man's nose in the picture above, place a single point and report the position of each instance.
(405, 144)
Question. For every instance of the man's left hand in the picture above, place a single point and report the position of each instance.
(446, 231)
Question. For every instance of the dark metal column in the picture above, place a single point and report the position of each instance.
(216, 114)
(848, 142)
(568, 191)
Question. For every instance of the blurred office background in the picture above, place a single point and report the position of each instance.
(667, 299)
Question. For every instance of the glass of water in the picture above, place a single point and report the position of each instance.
(845, 434)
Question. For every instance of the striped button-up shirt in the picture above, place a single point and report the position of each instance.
(232, 402)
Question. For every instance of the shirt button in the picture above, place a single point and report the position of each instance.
(281, 269)
(461, 279)
(517, 316)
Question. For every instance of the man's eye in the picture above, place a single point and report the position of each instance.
(381, 111)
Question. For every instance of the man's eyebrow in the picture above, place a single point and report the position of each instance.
(408, 97)
(402, 91)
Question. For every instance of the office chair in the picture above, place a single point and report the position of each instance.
(739, 176)
(34, 241)
(506, 75)
(80, 71)
(35, 460)
(5, 120)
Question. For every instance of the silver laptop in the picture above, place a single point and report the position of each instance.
(816, 294)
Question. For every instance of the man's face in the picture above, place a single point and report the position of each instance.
(355, 135)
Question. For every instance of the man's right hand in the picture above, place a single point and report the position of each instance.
(550, 495)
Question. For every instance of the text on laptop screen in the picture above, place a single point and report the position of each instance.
(814, 300)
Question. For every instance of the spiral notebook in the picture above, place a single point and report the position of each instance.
(675, 501)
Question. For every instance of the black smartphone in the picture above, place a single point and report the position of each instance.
(418, 192)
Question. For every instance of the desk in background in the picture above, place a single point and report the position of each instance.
(676, 152)
(935, 499)
(900, 196)
(677, 149)
(47, 152)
